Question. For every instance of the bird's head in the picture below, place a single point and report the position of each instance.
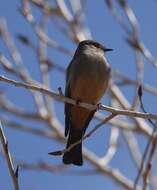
(92, 44)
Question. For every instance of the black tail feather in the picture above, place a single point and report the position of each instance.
(74, 156)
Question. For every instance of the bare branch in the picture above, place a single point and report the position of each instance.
(58, 97)
(41, 166)
(116, 175)
(61, 152)
(8, 158)
(112, 147)
(28, 129)
(149, 163)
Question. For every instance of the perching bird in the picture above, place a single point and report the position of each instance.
(87, 78)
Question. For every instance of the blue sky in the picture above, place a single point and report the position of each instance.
(104, 29)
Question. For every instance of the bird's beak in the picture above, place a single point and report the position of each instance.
(107, 49)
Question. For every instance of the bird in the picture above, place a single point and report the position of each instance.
(87, 78)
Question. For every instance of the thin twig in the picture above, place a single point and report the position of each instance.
(149, 162)
(60, 152)
(116, 174)
(126, 80)
(151, 141)
(27, 129)
(8, 158)
(22, 72)
(58, 97)
(42, 166)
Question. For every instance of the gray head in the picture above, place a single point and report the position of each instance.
(90, 43)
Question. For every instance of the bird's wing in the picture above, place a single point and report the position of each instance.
(67, 108)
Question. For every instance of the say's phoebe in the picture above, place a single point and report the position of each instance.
(87, 78)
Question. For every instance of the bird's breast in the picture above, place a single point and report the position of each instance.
(89, 82)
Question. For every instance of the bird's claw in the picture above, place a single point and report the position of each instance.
(78, 102)
(98, 106)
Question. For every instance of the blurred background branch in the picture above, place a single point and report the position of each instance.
(34, 56)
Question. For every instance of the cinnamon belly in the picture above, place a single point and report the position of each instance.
(88, 89)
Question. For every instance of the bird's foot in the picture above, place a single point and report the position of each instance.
(78, 101)
(98, 106)
(60, 91)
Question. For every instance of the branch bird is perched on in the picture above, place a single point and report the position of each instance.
(87, 78)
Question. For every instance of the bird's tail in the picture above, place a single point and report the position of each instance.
(74, 156)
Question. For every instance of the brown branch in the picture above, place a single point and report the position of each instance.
(149, 162)
(8, 158)
(58, 97)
